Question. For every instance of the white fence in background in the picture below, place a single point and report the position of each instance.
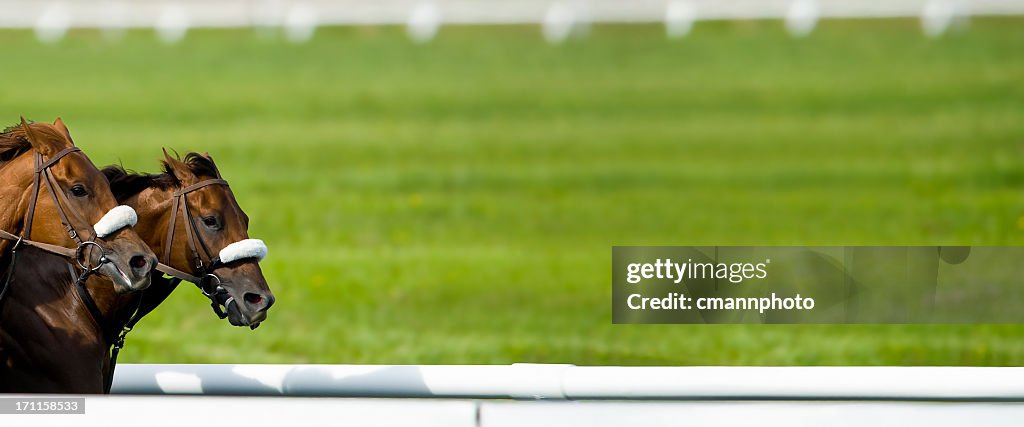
(185, 411)
(569, 382)
(538, 395)
(560, 18)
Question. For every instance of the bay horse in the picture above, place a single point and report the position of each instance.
(79, 228)
(212, 250)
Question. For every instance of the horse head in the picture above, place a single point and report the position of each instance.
(57, 196)
(190, 216)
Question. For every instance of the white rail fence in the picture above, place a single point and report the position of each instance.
(538, 395)
(560, 18)
(569, 382)
(186, 411)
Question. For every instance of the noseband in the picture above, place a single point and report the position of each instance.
(83, 241)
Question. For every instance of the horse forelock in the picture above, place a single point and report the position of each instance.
(194, 163)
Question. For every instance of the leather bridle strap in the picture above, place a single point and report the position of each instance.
(174, 272)
(195, 244)
(62, 201)
(42, 170)
(55, 158)
(42, 167)
(36, 186)
(46, 247)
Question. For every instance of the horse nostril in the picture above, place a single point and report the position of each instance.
(254, 299)
(138, 261)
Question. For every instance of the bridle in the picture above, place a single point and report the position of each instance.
(204, 264)
(84, 239)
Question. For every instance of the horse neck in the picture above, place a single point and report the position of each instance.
(44, 330)
(48, 282)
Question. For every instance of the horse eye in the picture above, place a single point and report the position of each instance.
(79, 191)
(210, 221)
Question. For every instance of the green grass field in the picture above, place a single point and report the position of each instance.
(456, 202)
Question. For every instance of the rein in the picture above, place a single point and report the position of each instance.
(77, 254)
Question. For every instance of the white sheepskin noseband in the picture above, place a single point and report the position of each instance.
(248, 248)
(118, 218)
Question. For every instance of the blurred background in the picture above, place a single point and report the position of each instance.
(442, 181)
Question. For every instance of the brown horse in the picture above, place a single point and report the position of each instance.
(34, 313)
(164, 205)
(190, 216)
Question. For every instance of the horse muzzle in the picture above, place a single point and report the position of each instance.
(131, 276)
(250, 310)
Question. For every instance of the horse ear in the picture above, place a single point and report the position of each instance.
(59, 124)
(210, 158)
(167, 157)
(37, 141)
(177, 168)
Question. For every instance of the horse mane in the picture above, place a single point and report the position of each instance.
(13, 143)
(125, 183)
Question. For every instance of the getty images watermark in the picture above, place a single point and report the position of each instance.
(825, 285)
(690, 271)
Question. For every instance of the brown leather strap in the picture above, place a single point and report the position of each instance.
(36, 184)
(174, 272)
(168, 243)
(194, 244)
(60, 200)
(192, 239)
(199, 185)
(42, 170)
(46, 247)
(40, 166)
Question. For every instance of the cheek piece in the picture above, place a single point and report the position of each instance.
(118, 218)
